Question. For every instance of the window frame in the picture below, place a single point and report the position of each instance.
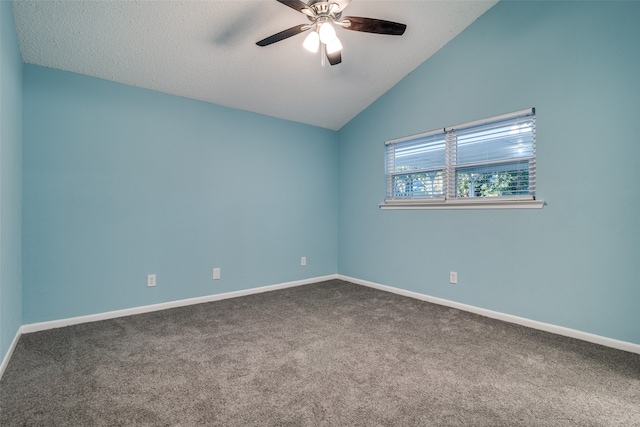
(448, 199)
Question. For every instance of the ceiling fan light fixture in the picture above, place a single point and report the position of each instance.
(327, 32)
(312, 42)
(334, 46)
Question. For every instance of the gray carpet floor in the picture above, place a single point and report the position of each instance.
(326, 354)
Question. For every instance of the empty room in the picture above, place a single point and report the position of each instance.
(331, 213)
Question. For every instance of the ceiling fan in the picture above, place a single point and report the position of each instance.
(324, 15)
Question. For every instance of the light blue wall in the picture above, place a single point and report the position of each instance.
(10, 179)
(121, 182)
(574, 263)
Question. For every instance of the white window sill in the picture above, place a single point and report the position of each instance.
(475, 203)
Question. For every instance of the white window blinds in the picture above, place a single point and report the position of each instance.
(416, 167)
(494, 157)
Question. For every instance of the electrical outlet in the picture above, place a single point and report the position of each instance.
(453, 277)
(303, 261)
(216, 274)
(151, 280)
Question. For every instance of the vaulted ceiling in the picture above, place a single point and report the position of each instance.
(206, 50)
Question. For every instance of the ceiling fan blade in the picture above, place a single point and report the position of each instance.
(294, 4)
(284, 34)
(371, 25)
(334, 58)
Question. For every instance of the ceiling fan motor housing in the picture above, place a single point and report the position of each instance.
(324, 9)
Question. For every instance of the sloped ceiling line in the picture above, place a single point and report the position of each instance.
(206, 50)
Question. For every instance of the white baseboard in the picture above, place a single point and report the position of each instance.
(41, 326)
(7, 357)
(559, 330)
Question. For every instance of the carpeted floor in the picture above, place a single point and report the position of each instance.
(326, 354)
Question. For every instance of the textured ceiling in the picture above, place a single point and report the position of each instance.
(206, 50)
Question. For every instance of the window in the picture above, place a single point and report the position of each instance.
(486, 163)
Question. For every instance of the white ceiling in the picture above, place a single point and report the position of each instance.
(206, 50)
